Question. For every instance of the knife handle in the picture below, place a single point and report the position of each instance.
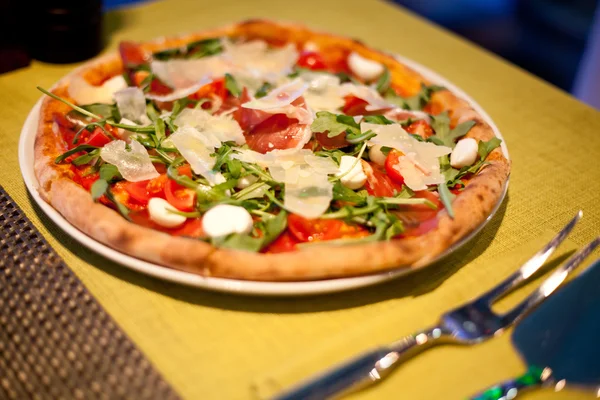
(534, 377)
(362, 371)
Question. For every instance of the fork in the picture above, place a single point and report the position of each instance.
(468, 324)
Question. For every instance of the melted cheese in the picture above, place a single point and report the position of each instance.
(323, 92)
(215, 128)
(84, 93)
(420, 165)
(197, 148)
(308, 191)
(252, 63)
(134, 164)
(132, 105)
(279, 101)
(181, 92)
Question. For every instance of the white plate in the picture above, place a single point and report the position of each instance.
(220, 284)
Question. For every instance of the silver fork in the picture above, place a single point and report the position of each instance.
(471, 323)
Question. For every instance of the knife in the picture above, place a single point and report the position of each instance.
(559, 341)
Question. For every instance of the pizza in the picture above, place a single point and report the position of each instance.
(266, 151)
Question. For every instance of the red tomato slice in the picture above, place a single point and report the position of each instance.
(309, 230)
(216, 87)
(390, 161)
(98, 138)
(138, 191)
(192, 227)
(143, 191)
(180, 197)
(378, 183)
(85, 180)
(314, 230)
(285, 242)
(421, 128)
(311, 60)
(132, 54)
(355, 106)
(420, 219)
(156, 86)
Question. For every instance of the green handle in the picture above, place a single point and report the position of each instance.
(509, 389)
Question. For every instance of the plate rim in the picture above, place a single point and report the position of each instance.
(226, 285)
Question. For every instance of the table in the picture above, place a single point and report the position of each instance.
(210, 345)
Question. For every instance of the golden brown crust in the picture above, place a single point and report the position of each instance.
(471, 208)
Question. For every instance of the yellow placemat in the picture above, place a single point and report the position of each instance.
(217, 346)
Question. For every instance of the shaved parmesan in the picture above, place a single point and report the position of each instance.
(399, 114)
(181, 92)
(215, 128)
(420, 165)
(181, 74)
(323, 92)
(279, 101)
(308, 191)
(132, 105)
(279, 97)
(197, 148)
(252, 63)
(84, 93)
(366, 93)
(133, 164)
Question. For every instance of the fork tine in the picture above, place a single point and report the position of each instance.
(550, 284)
(532, 265)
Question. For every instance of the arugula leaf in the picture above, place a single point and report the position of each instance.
(87, 158)
(453, 176)
(109, 172)
(446, 197)
(159, 129)
(334, 124)
(98, 189)
(354, 139)
(485, 148)
(103, 110)
(394, 229)
(384, 81)
(204, 48)
(263, 90)
(443, 134)
(151, 111)
(416, 102)
(232, 85)
(194, 50)
(446, 169)
(81, 147)
(377, 119)
(271, 228)
(342, 193)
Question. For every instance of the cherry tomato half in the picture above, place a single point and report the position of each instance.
(311, 60)
(313, 230)
(180, 197)
(378, 183)
(285, 242)
(355, 106)
(421, 128)
(391, 162)
(143, 191)
(98, 138)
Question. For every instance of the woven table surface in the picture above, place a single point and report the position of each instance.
(218, 346)
(56, 341)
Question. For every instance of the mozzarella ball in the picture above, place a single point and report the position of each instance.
(225, 219)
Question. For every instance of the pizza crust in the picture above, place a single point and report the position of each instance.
(105, 225)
